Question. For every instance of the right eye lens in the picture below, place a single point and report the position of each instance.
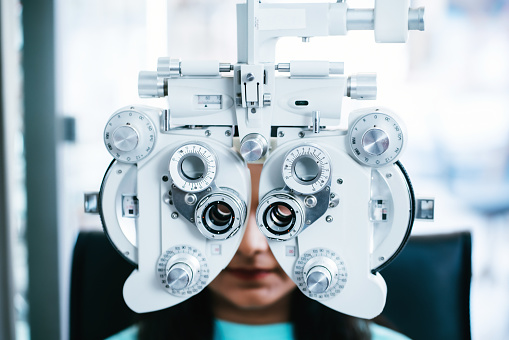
(281, 215)
(279, 218)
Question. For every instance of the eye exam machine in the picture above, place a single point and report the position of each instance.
(336, 205)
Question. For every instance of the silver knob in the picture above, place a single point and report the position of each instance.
(125, 138)
(362, 86)
(151, 86)
(375, 142)
(318, 279)
(253, 147)
(179, 276)
(416, 19)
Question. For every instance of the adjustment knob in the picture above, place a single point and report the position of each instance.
(318, 279)
(253, 147)
(129, 135)
(179, 276)
(125, 138)
(151, 86)
(362, 86)
(320, 273)
(182, 270)
(376, 137)
(375, 142)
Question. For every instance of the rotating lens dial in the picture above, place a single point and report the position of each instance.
(306, 169)
(182, 270)
(320, 273)
(129, 136)
(193, 167)
(376, 139)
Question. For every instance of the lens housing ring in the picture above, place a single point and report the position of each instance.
(219, 215)
(274, 223)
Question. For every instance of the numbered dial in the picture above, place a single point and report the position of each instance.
(306, 169)
(129, 136)
(320, 273)
(376, 139)
(182, 271)
(193, 167)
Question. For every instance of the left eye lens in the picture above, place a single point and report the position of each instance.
(220, 214)
(281, 215)
(218, 217)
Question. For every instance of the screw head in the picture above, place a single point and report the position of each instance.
(207, 133)
(339, 181)
(301, 134)
(190, 199)
(165, 178)
(329, 219)
(174, 215)
(250, 77)
(281, 134)
(227, 133)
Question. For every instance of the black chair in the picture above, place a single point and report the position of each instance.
(428, 288)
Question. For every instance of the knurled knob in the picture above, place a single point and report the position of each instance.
(375, 141)
(179, 276)
(253, 147)
(318, 279)
(125, 138)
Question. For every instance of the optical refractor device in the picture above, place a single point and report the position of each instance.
(336, 205)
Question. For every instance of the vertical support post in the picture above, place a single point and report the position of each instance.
(40, 142)
(7, 313)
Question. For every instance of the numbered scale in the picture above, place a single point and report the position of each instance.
(193, 167)
(376, 139)
(129, 135)
(306, 169)
(182, 270)
(320, 273)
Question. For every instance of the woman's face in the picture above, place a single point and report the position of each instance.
(253, 279)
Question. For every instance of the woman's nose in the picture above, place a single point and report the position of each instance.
(253, 241)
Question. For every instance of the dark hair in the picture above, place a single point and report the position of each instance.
(193, 319)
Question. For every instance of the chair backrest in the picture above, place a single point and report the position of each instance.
(98, 274)
(428, 288)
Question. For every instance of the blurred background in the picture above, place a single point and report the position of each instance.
(68, 65)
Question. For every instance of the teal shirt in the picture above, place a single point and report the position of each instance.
(224, 330)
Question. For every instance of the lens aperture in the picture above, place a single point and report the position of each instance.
(279, 218)
(218, 217)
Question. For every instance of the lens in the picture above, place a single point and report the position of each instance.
(218, 217)
(220, 214)
(281, 215)
(192, 167)
(306, 169)
(279, 218)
